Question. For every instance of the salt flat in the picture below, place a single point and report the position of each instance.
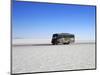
(46, 57)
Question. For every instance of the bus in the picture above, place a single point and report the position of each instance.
(62, 38)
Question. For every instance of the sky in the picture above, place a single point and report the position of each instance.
(41, 20)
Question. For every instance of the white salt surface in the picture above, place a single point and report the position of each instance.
(42, 41)
(41, 58)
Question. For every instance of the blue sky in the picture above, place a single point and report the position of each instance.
(41, 20)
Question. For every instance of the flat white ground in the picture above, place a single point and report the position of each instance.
(46, 57)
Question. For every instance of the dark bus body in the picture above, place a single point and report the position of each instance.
(62, 38)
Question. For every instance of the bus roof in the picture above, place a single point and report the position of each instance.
(63, 34)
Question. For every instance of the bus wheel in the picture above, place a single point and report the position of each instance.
(64, 43)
